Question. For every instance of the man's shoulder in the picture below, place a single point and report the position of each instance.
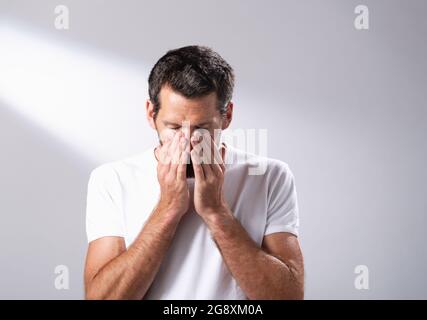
(119, 167)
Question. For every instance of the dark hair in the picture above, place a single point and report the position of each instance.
(193, 71)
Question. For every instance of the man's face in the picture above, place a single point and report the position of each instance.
(192, 116)
(189, 115)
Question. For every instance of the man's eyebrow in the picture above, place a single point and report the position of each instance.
(170, 123)
(203, 124)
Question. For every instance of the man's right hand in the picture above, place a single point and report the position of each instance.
(115, 272)
(171, 173)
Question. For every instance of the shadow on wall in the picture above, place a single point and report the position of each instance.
(42, 184)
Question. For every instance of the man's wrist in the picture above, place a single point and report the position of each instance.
(217, 216)
(168, 212)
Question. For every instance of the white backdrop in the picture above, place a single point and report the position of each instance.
(345, 108)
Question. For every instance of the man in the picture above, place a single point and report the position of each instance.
(157, 230)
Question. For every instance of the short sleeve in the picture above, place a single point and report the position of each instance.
(104, 215)
(282, 212)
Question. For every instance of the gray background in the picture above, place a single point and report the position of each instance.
(346, 109)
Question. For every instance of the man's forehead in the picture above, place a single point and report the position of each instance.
(173, 99)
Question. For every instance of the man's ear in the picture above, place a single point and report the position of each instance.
(228, 116)
(149, 107)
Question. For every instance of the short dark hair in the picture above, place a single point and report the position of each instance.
(193, 71)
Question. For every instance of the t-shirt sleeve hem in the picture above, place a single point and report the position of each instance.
(279, 228)
(97, 236)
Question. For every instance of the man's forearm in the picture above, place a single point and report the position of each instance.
(129, 275)
(259, 274)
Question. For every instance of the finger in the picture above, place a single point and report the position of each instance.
(207, 170)
(218, 158)
(197, 167)
(184, 143)
(174, 150)
(184, 155)
(216, 169)
(197, 136)
(206, 163)
(175, 163)
(187, 146)
(217, 165)
(201, 150)
(207, 146)
(163, 153)
(222, 151)
(182, 167)
(194, 141)
(204, 148)
(197, 147)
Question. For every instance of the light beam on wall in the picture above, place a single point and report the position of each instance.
(92, 103)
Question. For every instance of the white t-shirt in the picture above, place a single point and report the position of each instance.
(122, 194)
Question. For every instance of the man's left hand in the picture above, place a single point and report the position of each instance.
(209, 170)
